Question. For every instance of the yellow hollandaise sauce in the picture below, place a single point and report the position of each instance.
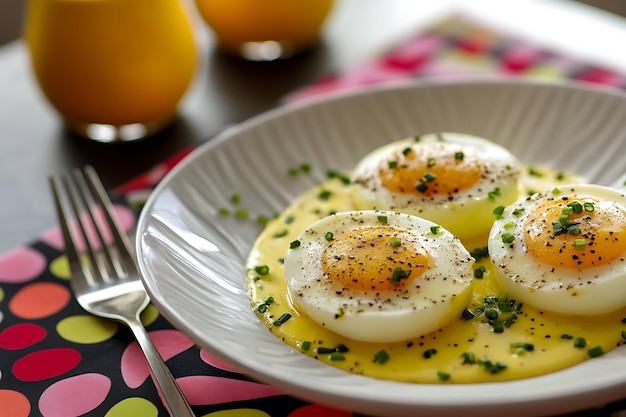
(495, 338)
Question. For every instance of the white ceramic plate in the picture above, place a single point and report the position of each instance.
(193, 258)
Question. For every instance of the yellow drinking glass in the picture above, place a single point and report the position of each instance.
(265, 30)
(115, 70)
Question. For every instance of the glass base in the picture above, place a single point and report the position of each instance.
(268, 50)
(107, 133)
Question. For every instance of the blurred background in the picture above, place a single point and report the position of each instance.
(11, 13)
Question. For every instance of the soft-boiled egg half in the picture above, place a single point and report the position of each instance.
(564, 250)
(379, 276)
(452, 179)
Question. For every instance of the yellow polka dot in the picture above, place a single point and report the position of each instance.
(1, 294)
(86, 329)
(133, 407)
(60, 268)
(241, 412)
(149, 315)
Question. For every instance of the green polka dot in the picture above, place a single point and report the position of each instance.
(133, 407)
(149, 315)
(241, 412)
(86, 329)
(60, 268)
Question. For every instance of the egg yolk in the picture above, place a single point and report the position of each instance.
(439, 170)
(373, 259)
(591, 236)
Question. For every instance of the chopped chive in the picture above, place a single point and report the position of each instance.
(459, 156)
(435, 229)
(262, 269)
(576, 207)
(242, 214)
(491, 313)
(406, 151)
(532, 171)
(623, 334)
(280, 233)
(329, 236)
(305, 167)
(282, 319)
(479, 271)
(468, 314)
(468, 358)
(393, 164)
(580, 342)
(381, 356)
(382, 219)
(399, 274)
(429, 353)
(306, 345)
(431, 162)
(395, 241)
(323, 350)
(224, 211)
(324, 195)
(518, 211)
(508, 238)
(580, 244)
(443, 376)
(595, 351)
(494, 193)
(566, 210)
(421, 187)
(430, 177)
(295, 244)
(508, 225)
(479, 253)
(529, 347)
(567, 336)
(289, 219)
(498, 211)
(337, 356)
(334, 174)
(559, 176)
(588, 206)
(262, 219)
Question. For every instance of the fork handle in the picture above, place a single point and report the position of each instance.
(169, 391)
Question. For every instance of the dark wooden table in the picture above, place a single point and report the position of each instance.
(227, 90)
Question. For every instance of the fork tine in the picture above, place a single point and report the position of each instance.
(121, 238)
(65, 220)
(112, 265)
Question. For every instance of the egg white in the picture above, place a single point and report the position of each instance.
(466, 213)
(589, 290)
(431, 300)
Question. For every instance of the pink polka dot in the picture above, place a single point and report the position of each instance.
(124, 215)
(21, 335)
(21, 265)
(45, 364)
(39, 300)
(315, 410)
(14, 404)
(207, 390)
(169, 343)
(75, 396)
(218, 363)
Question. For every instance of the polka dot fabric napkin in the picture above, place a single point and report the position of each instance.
(58, 361)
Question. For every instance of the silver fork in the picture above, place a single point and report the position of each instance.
(105, 279)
